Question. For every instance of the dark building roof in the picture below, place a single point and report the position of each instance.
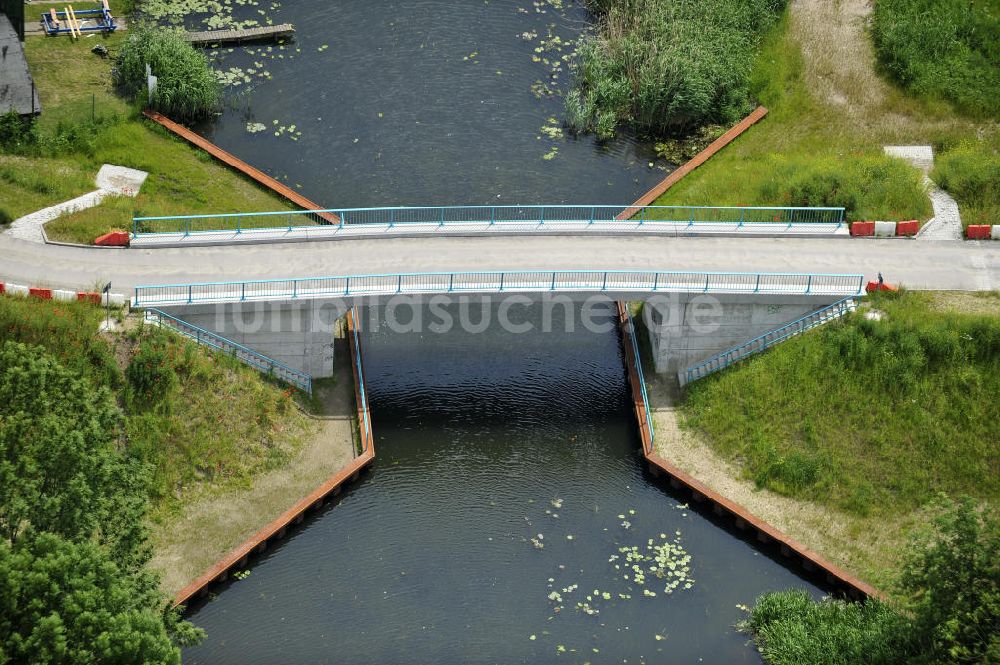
(17, 89)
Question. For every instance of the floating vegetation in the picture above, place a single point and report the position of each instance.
(254, 127)
(241, 574)
(551, 154)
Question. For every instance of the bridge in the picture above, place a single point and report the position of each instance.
(751, 278)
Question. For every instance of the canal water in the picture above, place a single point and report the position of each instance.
(420, 102)
(506, 495)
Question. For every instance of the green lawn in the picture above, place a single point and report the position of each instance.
(78, 101)
(869, 417)
(830, 115)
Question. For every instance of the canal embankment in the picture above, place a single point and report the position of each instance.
(349, 432)
(202, 531)
(824, 441)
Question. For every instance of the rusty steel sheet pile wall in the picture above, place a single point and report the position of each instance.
(720, 505)
(275, 530)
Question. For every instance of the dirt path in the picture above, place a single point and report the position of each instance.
(864, 547)
(188, 543)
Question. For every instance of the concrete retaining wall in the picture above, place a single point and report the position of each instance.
(692, 328)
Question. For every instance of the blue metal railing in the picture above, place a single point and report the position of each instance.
(365, 424)
(526, 217)
(722, 360)
(642, 380)
(531, 281)
(245, 355)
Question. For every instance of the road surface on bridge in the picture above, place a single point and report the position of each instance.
(912, 263)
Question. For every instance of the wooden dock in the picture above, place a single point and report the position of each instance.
(267, 32)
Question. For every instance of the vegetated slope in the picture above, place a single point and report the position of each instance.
(871, 417)
(830, 115)
(199, 418)
(943, 49)
(668, 66)
(971, 172)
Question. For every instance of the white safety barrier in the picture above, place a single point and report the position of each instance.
(66, 296)
(995, 232)
(885, 229)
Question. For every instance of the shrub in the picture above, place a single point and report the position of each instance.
(791, 629)
(668, 67)
(150, 375)
(863, 186)
(950, 613)
(948, 49)
(186, 88)
(971, 172)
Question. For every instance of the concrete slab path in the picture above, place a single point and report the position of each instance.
(111, 180)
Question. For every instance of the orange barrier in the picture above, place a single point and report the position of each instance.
(715, 146)
(113, 239)
(908, 228)
(240, 165)
(978, 232)
(3, 288)
(92, 298)
(862, 229)
(44, 294)
(277, 528)
(720, 505)
(879, 286)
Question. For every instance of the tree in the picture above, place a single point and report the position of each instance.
(73, 535)
(951, 582)
(949, 611)
(66, 602)
(60, 468)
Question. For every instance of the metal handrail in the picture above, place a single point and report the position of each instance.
(762, 342)
(365, 424)
(242, 353)
(642, 379)
(531, 281)
(539, 216)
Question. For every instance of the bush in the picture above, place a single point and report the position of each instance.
(186, 88)
(863, 186)
(950, 612)
(150, 375)
(948, 49)
(971, 172)
(791, 629)
(668, 67)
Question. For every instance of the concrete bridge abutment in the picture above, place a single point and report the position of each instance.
(685, 329)
(296, 333)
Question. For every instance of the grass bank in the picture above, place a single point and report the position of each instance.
(831, 113)
(85, 124)
(852, 428)
(942, 50)
(227, 447)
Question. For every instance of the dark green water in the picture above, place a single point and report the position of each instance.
(422, 102)
(486, 441)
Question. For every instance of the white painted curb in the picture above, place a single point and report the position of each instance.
(885, 229)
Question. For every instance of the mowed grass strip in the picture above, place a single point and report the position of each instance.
(868, 417)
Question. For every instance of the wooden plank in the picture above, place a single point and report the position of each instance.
(248, 34)
(715, 146)
(240, 165)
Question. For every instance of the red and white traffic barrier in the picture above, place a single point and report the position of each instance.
(982, 232)
(63, 295)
